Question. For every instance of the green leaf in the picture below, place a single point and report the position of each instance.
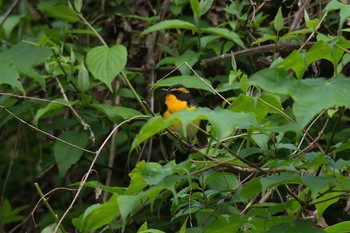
(318, 184)
(50, 108)
(143, 228)
(186, 80)
(106, 63)
(81, 221)
(298, 226)
(195, 7)
(305, 93)
(343, 8)
(276, 180)
(278, 21)
(10, 76)
(248, 191)
(204, 6)
(342, 227)
(137, 183)
(169, 24)
(127, 204)
(98, 215)
(223, 122)
(11, 22)
(24, 57)
(296, 62)
(83, 78)
(78, 4)
(190, 57)
(62, 12)
(224, 223)
(248, 104)
(225, 33)
(10, 215)
(325, 201)
(221, 181)
(67, 155)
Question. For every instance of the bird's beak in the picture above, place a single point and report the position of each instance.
(165, 89)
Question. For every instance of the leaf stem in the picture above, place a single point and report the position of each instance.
(48, 206)
(92, 28)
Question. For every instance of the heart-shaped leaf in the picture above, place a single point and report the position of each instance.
(105, 63)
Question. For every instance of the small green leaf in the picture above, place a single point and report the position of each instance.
(190, 57)
(278, 21)
(10, 76)
(195, 7)
(296, 62)
(67, 155)
(204, 6)
(225, 33)
(106, 63)
(83, 78)
(169, 24)
(78, 4)
(143, 228)
(62, 12)
(49, 108)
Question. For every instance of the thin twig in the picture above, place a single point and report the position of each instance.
(8, 12)
(86, 176)
(85, 125)
(313, 33)
(282, 46)
(305, 134)
(34, 98)
(297, 16)
(45, 133)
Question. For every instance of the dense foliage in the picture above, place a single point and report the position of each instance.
(83, 146)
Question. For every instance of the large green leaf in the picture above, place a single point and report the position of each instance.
(276, 180)
(342, 227)
(223, 122)
(169, 24)
(299, 226)
(24, 57)
(318, 184)
(305, 93)
(62, 12)
(106, 63)
(98, 215)
(67, 155)
(249, 104)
